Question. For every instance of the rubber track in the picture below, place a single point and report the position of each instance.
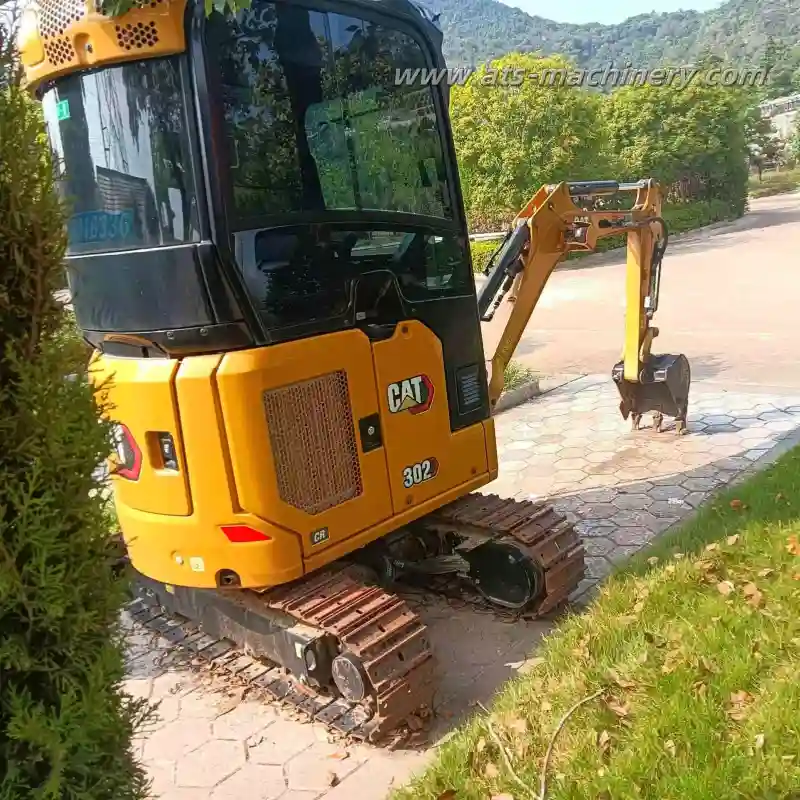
(545, 535)
(376, 626)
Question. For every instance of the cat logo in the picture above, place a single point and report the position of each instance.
(412, 394)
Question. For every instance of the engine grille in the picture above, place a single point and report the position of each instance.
(314, 443)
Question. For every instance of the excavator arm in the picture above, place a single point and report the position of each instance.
(547, 229)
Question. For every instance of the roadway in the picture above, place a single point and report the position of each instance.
(729, 301)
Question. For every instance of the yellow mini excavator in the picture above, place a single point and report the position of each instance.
(268, 253)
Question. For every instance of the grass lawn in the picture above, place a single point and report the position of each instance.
(775, 183)
(517, 375)
(695, 650)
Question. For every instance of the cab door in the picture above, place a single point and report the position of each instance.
(424, 457)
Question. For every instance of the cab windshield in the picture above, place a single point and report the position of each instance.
(317, 121)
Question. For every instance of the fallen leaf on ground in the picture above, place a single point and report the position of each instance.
(638, 607)
(333, 779)
(604, 740)
(705, 566)
(737, 505)
(712, 546)
(760, 741)
(753, 595)
(708, 666)
(341, 756)
(725, 587)
(765, 573)
(620, 709)
(793, 546)
(669, 746)
(518, 725)
(620, 681)
(739, 700)
(732, 540)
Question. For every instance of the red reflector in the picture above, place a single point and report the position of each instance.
(128, 453)
(243, 533)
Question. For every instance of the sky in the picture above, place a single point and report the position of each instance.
(603, 11)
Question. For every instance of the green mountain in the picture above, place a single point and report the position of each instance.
(740, 32)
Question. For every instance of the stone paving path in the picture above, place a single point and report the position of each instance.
(621, 489)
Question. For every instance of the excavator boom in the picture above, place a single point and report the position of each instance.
(547, 229)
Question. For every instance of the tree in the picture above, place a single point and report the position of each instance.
(695, 136)
(65, 728)
(512, 138)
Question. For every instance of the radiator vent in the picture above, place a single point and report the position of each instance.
(313, 443)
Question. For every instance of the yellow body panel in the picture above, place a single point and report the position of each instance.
(141, 392)
(244, 377)
(411, 438)
(248, 426)
(57, 37)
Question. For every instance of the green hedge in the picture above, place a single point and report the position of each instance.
(65, 726)
(680, 218)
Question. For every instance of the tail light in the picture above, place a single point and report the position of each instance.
(129, 456)
(240, 534)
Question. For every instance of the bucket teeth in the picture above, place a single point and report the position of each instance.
(661, 390)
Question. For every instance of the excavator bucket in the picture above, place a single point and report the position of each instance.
(663, 389)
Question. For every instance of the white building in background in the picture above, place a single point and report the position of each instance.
(783, 112)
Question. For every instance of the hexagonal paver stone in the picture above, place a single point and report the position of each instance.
(667, 492)
(699, 484)
(622, 554)
(776, 416)
(631, 537)
(633, 502)
(669, 508)
(717, 419)
(210, 764)
(570, 463)
(176, 738)
(253, 782)
(598, 511)
(243, 721)
(597, 566)
(313, 769)
(281, 741)
(599, 546)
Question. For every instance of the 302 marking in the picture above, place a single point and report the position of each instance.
(419, 473)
